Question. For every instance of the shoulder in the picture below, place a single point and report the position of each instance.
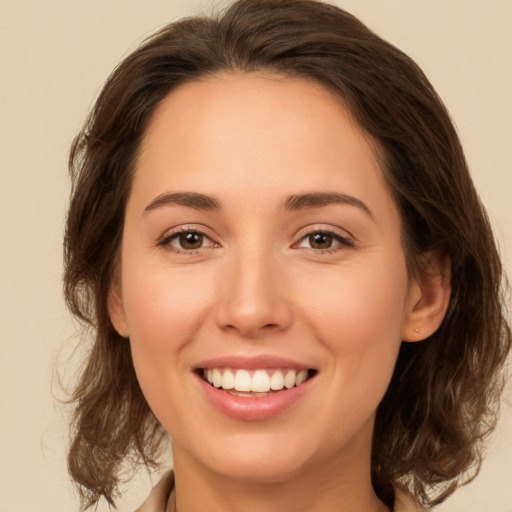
(159, 496)
(404, 502)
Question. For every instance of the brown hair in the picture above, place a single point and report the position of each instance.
(443, 396)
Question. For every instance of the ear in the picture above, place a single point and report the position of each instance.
(428, 299)
(116, 310)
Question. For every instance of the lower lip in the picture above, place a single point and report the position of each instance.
(254, 408)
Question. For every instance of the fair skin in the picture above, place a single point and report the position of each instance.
(290, 259)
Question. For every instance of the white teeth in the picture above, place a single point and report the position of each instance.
(261, 381)
(228, 380)
(217, 378)
(301, 377)
(242, 380)
(289, 379)
(277, 381)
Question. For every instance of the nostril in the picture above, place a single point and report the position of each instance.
(250, 330)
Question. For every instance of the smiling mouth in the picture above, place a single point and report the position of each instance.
(255, 383)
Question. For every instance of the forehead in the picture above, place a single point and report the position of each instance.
(245, 105)
(257, 132)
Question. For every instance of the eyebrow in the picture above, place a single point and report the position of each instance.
(319, 199)
(294, 202)
(189, 199)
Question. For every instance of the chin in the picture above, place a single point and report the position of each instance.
(261, 459)
(261, 472)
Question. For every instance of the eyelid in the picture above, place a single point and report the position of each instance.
(325, 228)
(173, 233)
(345, 238)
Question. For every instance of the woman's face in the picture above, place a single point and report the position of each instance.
(261, 246)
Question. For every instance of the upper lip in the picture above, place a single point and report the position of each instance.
(251, 362)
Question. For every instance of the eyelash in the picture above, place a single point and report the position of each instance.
(167, 239)
(343, 241)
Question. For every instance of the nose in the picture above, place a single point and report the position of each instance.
(252, 298)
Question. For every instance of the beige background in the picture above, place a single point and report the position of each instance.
(54, 56)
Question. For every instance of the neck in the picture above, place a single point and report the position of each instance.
(339, 483)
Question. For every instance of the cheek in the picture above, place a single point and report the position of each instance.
(351, 304)
(357, 316)
(165, 312)
(164, 309)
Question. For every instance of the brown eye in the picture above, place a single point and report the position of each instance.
(320, 240)
(190, 240)
(187, 241)
(324, 242)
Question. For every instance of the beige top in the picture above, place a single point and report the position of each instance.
(163, 493)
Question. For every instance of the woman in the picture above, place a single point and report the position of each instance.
(275, 236)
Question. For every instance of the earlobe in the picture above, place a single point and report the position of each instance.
(429, 297)
(116, 311)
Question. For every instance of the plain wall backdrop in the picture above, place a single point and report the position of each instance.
(54, 57)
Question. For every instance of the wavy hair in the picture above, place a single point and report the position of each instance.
(444, 394)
